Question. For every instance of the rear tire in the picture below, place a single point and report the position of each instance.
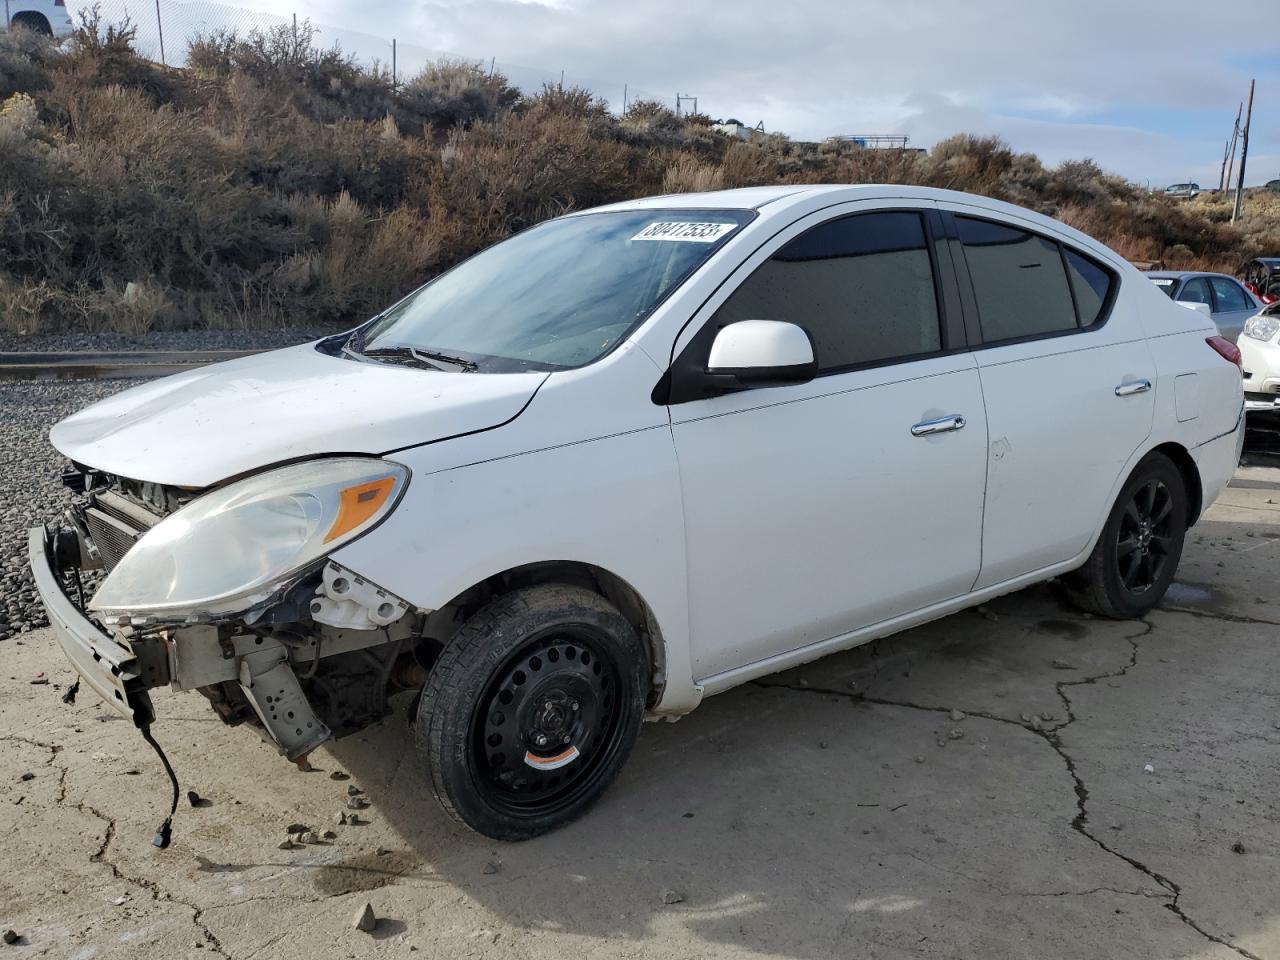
(34, 22)
(532, 710)
(1137, 554)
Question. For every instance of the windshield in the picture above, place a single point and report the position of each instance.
(557, 296)
(1165, 284)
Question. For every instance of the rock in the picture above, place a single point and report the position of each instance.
(382, 852)
(956, 733)
(39, 679)
(1148, 768)
(10, 936)
(308, 836)
(340, 819)
(330, 835)
(919, 758)
(1024, 717)
(822, 744)
(196, 800)
(365, 919)
(285, 844)
(1115, 825)
(988, 615)
(1062, 665)
(672, 896)
(1035, 723)
(956, 716)
(297, 828)
(1237, 847)
(339, 775)
(27, 776)
(356, 803)
(490, 868)
(941, 742)
(353, 790)
(1046, 716)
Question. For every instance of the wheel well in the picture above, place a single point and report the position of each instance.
(1190, 476)
(32, 21)
(445, 621)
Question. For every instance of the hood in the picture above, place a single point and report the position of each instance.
(195, 429)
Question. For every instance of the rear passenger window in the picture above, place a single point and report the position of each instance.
(1230, 295)
(1091, 284)
(1018, 279)
(862, 286)
(1195, 291)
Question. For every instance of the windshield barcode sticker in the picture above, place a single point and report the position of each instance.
(684, 231)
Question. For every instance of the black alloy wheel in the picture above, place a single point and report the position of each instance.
(1137, 553)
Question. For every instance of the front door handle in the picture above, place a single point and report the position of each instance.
(1132, 387)
(945, 424)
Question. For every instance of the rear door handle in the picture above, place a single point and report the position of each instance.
(945, 424)
(1132, 387)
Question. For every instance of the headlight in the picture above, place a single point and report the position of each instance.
(1262, 328)
(234, 548)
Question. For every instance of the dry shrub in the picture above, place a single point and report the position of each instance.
(691, 175)
(457, 93)
(276, 181)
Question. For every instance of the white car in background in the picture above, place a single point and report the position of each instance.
(633, 457)
(50, 17)
(1259, 345)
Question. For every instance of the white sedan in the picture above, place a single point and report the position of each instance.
(1260, 355)
(633, 457)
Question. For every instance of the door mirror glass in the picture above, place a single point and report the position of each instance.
(1198, 306)
(760, 353)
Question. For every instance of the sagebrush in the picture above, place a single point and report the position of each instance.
(275, 181)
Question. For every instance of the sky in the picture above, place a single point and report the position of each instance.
(1148, 90)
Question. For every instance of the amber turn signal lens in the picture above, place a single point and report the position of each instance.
(357, 504)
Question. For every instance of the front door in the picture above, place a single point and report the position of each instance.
(813, 510)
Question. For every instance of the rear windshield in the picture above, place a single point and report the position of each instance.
(557, 296)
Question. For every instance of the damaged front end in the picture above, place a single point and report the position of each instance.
(232, 592)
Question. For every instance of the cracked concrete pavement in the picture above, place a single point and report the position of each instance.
(839, 809)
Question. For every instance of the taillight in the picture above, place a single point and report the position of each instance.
(1227, 350)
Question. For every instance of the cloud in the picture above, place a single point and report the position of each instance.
(1113, 80)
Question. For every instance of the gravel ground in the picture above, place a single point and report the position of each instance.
(168, 340)
(30, 489)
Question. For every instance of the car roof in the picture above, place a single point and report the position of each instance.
(1267, 261)
(1184, 274)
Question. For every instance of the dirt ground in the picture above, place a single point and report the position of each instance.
(1111, 791)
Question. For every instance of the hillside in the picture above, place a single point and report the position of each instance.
(275, 182)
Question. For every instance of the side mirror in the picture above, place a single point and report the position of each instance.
(1198, 306)
(761, 353)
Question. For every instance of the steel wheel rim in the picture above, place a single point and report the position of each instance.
(531, 751)
(1144, 538)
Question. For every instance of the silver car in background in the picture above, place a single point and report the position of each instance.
(1228, 302)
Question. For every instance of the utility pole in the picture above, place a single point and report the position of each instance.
(1222, 174)
(1244, 155)
(159, 30)
(1235, 136)
(393, 63)
(624, 98)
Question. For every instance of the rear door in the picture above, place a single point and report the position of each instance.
(814, 509)
(1067, 388)
(1232, 306)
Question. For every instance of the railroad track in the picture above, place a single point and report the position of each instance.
(97, 365)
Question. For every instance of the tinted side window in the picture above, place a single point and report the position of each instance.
(1091, 283)
(1195, 290)
(1230, 295)
(862, 286)
(1018, 280)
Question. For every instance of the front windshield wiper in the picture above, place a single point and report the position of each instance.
(465, 365)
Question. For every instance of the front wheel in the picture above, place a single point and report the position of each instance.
(531, 710)
(1137, 554)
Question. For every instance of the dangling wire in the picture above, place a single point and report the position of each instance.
(165, 832)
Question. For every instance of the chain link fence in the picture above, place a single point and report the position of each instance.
(165, 27)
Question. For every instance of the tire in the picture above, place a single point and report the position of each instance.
(532, 710)
(1137, 554)
(34, 22)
